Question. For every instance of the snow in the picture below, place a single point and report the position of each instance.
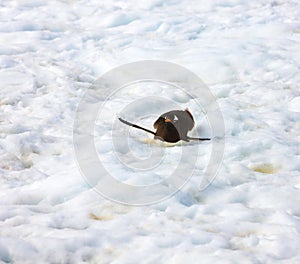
(247, 53)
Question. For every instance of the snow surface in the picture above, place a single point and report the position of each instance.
(248, 53)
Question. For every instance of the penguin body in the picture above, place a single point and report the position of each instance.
(174, 125)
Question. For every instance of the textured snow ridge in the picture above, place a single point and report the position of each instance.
(248, 53)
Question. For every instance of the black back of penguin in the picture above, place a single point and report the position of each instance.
(174, 125)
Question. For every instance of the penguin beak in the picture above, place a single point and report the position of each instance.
(167, 120)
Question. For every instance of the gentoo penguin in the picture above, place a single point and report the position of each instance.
(171, 126)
